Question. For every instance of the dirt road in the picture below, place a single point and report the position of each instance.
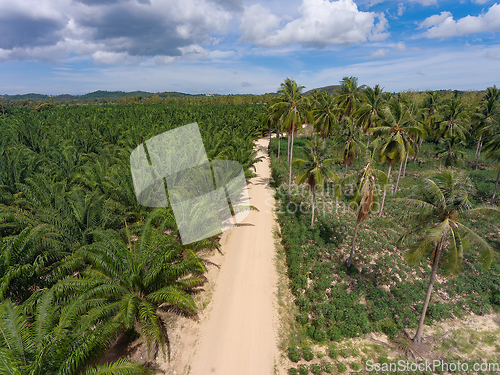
(238, 335)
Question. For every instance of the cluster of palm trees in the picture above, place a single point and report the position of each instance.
(82, 263)
(389, 128)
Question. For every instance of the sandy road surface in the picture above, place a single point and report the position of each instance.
(238, 336)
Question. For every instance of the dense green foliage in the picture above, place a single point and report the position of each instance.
(382, 291)
(78, 255)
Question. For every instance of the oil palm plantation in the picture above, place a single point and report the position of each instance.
(437, 228)
(316, 169)
(292, 108)
(139, 279)
(57, 338)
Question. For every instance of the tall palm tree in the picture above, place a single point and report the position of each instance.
(441, 202)
(348, 137)
(485, 118)
(493, 152)
(365, 198)
(450, 148)
(394, 139)
(455, 121)
(372, 103)
(325, 115)
(316, 169)
(349, 94)
(291, 109)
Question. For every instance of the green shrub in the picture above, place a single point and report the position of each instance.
(293, 371)
(303, 369)
(355, 366)
(344, 353)
(294, 354)
(307, 354)
(316, 369)
(328, 368)
(333, 353)
(341, 367)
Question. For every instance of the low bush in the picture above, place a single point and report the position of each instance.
(294, 354)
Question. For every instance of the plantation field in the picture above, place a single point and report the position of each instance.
(82, 263)
(381, 293)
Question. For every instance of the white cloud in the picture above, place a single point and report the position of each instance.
(435, 20)
(401, 9)
(321, 23)
(425, 2)
(108, 58)
(480, 1)
(51, 30)
(401, 46)
(381, 52)
(448, 27)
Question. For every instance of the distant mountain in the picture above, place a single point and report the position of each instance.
(100, 94)
(329, 89)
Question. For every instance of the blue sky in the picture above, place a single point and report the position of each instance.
(238, 46)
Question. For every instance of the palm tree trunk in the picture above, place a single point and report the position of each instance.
(478, 143)
(406, 161)
(345, 170)
(290, 172)
(418, 334)
(399, 175)
(270, 132)
(288, 149)
(496, 187)
(479, 146)
(279, 143)
(324, 141)
(440, 161)
(314, 201)
(368, 141)
(349, 262)
(385, 191)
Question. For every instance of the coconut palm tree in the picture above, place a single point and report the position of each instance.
(373, 101)
(484, 116)
(291, 109)
(455, 121)
(325, 115)
(394, 139)
(441, 202)
(450, 148)
(316, 169)
(348, 137)
(365, 198)
(349, 94)
(493, 152)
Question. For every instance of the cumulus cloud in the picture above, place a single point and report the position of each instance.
(444, 26)
(108, 30)
(321, 23)
(401, 9)
(379, 53)
(425, 2)
(401, 46)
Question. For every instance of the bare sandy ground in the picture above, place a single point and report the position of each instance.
(237, 333)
